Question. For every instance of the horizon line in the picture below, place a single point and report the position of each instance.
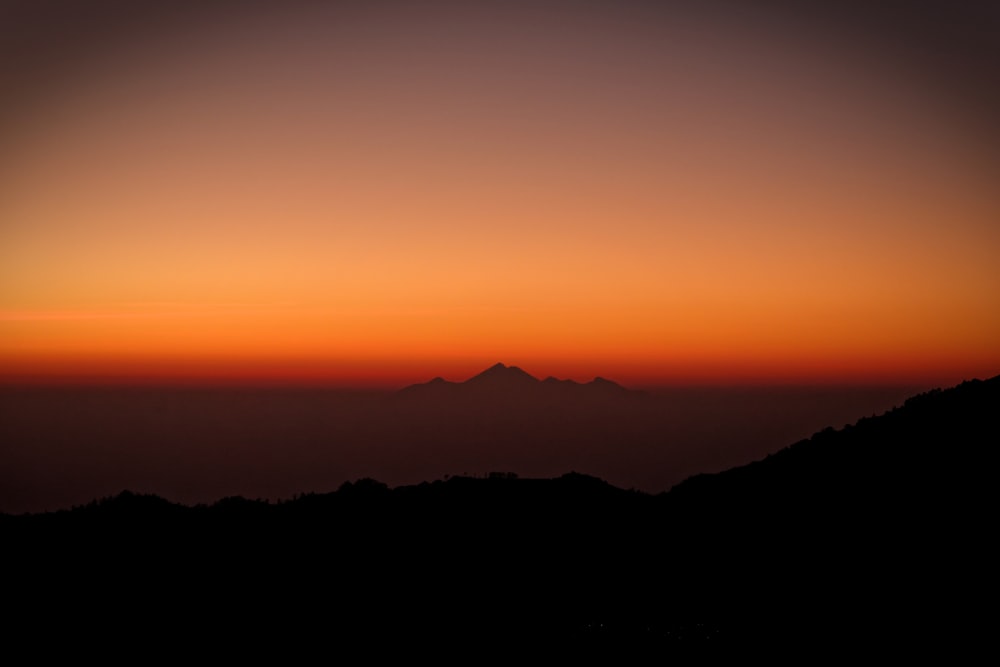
(381, 385)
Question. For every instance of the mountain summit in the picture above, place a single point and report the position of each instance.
(500, 375)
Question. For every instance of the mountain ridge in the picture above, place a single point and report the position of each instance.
(908, 430)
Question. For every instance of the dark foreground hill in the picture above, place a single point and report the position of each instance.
(880, 532)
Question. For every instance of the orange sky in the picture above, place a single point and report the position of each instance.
(378, 198)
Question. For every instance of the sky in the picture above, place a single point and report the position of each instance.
(373, 194)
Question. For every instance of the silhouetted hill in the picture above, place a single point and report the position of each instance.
(883, 519)
(64, 446)
(876, 533)
(931, 448)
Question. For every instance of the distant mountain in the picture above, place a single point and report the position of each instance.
(502, 382)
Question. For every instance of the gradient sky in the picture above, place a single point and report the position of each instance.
(377, 193)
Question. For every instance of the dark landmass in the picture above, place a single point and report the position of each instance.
(879, 532)
(64, 446)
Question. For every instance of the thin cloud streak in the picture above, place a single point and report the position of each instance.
(136, 311)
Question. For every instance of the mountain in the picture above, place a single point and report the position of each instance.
(879, 529)
(934, 448)
(510, 383)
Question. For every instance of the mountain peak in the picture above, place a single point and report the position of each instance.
(500, 373)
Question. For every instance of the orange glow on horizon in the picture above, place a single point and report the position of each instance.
(336, 202)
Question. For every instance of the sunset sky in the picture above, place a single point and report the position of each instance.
(376, 193)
